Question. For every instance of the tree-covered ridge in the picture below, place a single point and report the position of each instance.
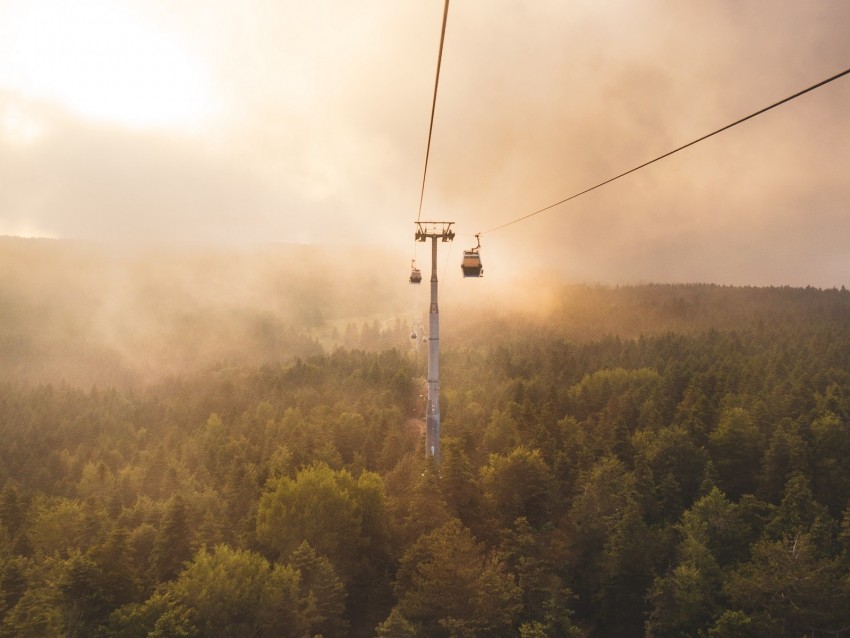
(583, 313)
(684, 483)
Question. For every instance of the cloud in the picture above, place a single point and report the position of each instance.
(322, 115)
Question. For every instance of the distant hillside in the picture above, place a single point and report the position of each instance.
(581, 313)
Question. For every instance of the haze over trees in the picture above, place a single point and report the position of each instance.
(656, 460)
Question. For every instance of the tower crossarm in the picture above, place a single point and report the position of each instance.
(439, 230)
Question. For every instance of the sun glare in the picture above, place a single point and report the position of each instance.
(18, 126)
(106, 62)
(24, 230)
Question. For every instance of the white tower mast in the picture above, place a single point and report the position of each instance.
(443, 232)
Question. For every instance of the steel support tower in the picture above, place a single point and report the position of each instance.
(443, 232)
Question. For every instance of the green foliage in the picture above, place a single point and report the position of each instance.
(648, 482)
(626, 573)
(396, 626)
(532, 557)
(85, 599)
(732, 624)
(458, 486)
(718, 525)
(38, 610)
(736, 449)
(13, 582)
(830, 449)
(223, 593)
(58, 527)
(172, 547)
(676, 464)
(425, 508)
(448, 585)
(686, 598)
(324, 507)
(789, 589)
(519, 485)
(344, 519)
(11, 509)
(323, 592)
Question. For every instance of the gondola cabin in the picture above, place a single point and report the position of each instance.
(471, 264)
(415, 275)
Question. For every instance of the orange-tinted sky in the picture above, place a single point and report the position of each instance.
(280, 121)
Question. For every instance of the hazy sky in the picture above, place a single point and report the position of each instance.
(282, 121)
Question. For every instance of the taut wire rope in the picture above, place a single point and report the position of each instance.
(669, 153)
(433, 107)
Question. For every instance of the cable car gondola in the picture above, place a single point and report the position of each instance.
(415, 275)
(471, 264)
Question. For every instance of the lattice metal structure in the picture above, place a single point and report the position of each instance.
(434, 231)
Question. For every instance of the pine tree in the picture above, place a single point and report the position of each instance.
(173, 545)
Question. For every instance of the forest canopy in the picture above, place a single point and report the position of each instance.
(652, 460)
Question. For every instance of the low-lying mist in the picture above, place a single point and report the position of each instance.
(87, 313)
(84, 312)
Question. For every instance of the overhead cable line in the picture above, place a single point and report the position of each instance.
(433, 107)
(676, 150)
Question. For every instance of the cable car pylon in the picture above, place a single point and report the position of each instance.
(443, 232)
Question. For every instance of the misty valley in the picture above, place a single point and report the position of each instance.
(228, 441)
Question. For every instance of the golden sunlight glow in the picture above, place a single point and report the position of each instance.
(18, 126)
(23, 229)
(103, 61)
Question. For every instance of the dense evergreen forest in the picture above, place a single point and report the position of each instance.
(661, 461)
